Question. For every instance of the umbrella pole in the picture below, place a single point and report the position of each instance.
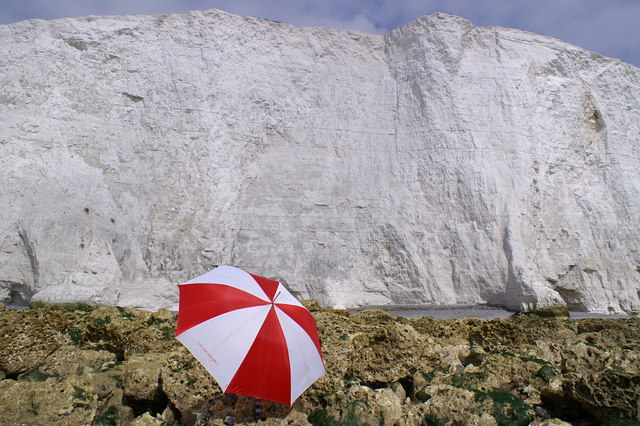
(257, 409)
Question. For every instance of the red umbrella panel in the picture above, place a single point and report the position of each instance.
(250, 333)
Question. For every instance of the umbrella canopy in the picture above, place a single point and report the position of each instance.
(250, 333)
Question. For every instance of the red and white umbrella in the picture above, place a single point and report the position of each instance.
(250, 333)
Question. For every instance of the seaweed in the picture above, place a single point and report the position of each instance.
(508, 410)
(468, 381)
(621, 422)
(551, 312)
(433, 420)
(80, 394)
(108, 417)
(75, 335)
(536, 360)
(546, 372)
(36, 375)
(320, 417)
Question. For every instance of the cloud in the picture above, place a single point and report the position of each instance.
(361, 23)
(330, 13)
(607, 27)
(358, 23)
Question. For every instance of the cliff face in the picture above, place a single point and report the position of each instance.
(440, 163)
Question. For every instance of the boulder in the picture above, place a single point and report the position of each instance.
(607, 394)
(71, 360)
(142, 376)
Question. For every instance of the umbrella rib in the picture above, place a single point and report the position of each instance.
(249, 320)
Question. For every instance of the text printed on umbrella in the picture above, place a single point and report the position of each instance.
(211, 357)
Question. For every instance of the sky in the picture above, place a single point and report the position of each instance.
(608, 27)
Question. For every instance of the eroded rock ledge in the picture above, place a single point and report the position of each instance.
(79, 364)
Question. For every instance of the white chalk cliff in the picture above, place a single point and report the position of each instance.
(441, 163)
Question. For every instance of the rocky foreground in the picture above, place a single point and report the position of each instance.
(77, 364)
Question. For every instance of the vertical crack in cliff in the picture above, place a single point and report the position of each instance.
(393, 72)
(31, 254)
(512, 286)
(21, 293)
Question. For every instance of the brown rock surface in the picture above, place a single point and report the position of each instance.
(142, 376)
(83, 365)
